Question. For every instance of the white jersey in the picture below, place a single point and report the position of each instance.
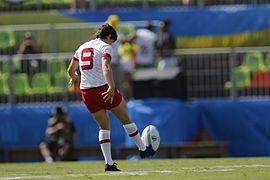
(145, 39)
(89, 56)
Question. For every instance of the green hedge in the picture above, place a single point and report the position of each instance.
(34, 4)
(47, 4)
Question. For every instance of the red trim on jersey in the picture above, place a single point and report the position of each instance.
(107, 55)
(104, 141)
(75, 59)
(134, 134)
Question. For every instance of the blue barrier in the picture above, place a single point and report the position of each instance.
(194, 21)
(176, 121)
(244, 125)
(24, 126)
(198, 27)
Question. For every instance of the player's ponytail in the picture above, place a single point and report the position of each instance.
(106, 30)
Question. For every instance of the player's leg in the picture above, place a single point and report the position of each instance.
(103, 122)
(91, 100)
(130, 127)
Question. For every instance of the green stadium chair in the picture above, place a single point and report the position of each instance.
(60, 83)
(254, 60)
(5, 69)
(41, 84)
(7, 38)
(4, 85)
(56, 66)
(267, 62)
(242, 77)
(20, 84)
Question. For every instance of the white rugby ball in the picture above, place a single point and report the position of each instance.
(150, 137)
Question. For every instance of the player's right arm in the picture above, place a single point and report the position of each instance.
(74, 63)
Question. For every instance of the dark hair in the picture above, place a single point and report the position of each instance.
(58, 111)
(149, 26)
(105, 30)
(166, 23)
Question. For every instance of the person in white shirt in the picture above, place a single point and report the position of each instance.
(99, 92)
(146, 42)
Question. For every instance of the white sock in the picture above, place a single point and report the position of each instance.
(132, 131)
(49, 160)
(105, 144)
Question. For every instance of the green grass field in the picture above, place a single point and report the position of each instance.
(36, 17)
(165, 169)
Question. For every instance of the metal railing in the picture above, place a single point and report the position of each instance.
(225, 72)
(61, 37)
(209, 73)
(36, 78)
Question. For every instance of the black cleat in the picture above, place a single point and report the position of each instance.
(147, 153)
(111, 167)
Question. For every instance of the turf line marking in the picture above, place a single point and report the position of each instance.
(133, 173)
(43, 177)
(244, 166)
(223, 168)
(27, 177)
(213, 170)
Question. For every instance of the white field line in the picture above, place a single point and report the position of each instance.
(212, 170)
(27, 177)
(224, 168)
(42, 177)
(134, 173)
(141, 173)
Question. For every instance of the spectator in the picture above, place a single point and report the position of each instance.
(61, 137)
(166, 45)
(127, 52)
(146, 42)
(29, 66)
(113, 20)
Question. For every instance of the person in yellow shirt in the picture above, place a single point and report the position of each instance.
(127, 52)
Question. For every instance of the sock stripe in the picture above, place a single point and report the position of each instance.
(134, 134)
(104, 141)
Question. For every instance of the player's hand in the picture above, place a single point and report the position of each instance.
(73, 79)
(108, 95)
(71, 82)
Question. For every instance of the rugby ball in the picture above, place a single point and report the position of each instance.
(150, 137)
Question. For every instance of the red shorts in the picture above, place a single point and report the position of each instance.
(93, 98)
